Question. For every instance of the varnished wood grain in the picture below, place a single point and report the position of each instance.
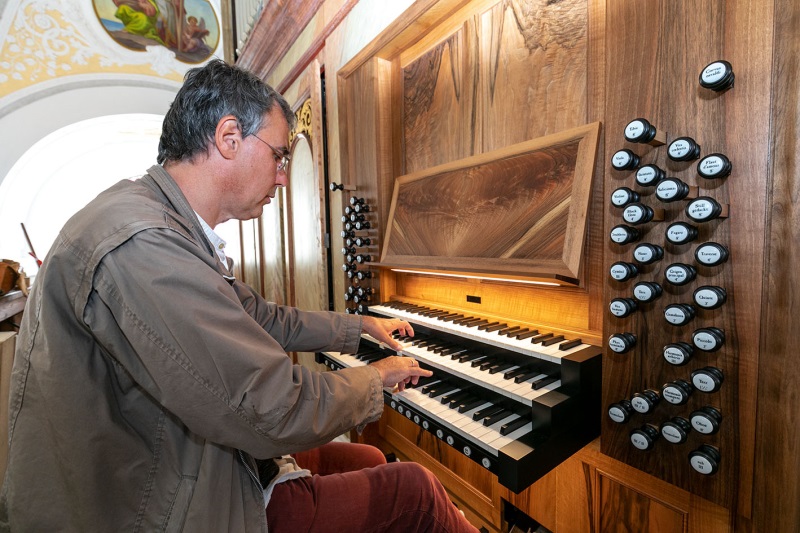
(519, 210)
(777, 463)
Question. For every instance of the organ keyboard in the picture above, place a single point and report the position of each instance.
(498, 394)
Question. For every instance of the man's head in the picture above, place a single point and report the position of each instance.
(208, 94)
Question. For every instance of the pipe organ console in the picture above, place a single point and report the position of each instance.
(515, 400)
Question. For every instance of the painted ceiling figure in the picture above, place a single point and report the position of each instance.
(139, 17)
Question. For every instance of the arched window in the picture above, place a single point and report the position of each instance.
(62, 172)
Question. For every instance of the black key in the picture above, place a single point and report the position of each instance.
(511, 374)
(539, 383)
(511, 427)
(569, 344)
(526, 377)
(527, 334)
(518, 332)
(468, 358)
(553, 340)
(484, 363)
(495, 418)
(426, 388)
(509, 330)
(489, 325)
(495, 328)
(489, 411)
(501, 367)
(455, 399)
(540, 338)
(470, 321)
(470, 404)
(480, 322)
(445, 389)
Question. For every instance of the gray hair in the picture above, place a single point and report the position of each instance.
(209, 93)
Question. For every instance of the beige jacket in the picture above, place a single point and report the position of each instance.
(142, 368)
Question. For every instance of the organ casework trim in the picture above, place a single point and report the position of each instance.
(520, 211)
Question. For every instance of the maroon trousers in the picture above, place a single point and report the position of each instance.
(354, 490)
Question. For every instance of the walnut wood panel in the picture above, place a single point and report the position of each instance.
(272, 242)
(251, 254)
(533, 70)
(776, 491)
(657, 80)
(622, 509)
(520, 210)
(439, 102)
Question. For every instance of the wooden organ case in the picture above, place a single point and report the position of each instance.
(680, 272)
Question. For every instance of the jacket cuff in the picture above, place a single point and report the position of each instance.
(376, 392)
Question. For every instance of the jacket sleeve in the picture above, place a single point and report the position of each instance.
(161, 311)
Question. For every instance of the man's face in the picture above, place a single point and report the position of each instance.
(259, 176)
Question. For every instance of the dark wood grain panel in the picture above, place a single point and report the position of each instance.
(776, 491)
(520, 210)
(533, 70)
(657, 80)
(622, 509)
(439, 102)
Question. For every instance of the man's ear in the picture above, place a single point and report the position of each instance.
(228, 136)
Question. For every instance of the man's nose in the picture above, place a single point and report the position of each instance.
(282, 178)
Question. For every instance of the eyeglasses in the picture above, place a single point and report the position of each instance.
(282, 158)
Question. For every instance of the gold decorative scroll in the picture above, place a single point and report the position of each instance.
(519, 211)
(303, 125)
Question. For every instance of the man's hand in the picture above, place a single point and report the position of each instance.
(381, 329)
(399, 371)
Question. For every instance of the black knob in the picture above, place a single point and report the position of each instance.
(714, 166)
(681, 233)
(350, 311)
(640, 131)
(711, 254)
(346, 234)
(644, 402)
(350, 258)
(348, 268)
(683, 149)
(621, 342)
(709, 296)
(349, 242)
(708, 339)
(649, 175)
(352, 274)
(703, 209)
(671, 190)
(622, 307)
(347, 297)
(706, 420)
(624, 234)
(622, 271)
(336, 186)
(676, 392)
(647, 253)
(363, 308)
(624, 160)
(705, 459)
(358, 298)
(363, 241)
(345, 218)
(679, 314)
(646, 291)
(349, 226)
(637, 213)
(355, 200)
(356, 217)
(676, 430)
(362, 224)
(348, 210)
(363, 258)
(680, 273)
(707, 379)
(363, 291)
(361, 208)
(717, 76)
(363, 274)
(351, 290)
(678, 353)
(623, 196)
(347, 250)
(644, 438)
(620, 411)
